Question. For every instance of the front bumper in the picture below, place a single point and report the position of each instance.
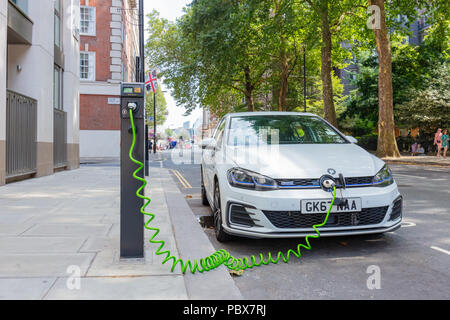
(259, 224)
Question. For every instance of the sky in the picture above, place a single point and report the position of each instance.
(171, 10)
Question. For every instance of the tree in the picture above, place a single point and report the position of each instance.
(161, 107)
(387, 145)
(429, 109)
(331, 16)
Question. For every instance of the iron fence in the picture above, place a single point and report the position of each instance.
(59, 138)
(21, 134)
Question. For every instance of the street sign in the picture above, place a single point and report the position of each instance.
(151, 81)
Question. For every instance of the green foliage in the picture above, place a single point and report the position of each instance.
(356, 126)
(169, 133)
(413, 68)
(429, 108)
(368, 141)
(161, 107)
(315, 103)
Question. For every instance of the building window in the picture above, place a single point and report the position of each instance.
(22, 4)
(57, 88)
(57, 23)
(87, 21)
(87, 66)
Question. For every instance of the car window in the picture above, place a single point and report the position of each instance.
(219, 133)
(282, 129)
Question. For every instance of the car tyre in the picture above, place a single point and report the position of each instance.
(221, 235)
(205, 201)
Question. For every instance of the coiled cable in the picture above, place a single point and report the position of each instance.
(220, 257)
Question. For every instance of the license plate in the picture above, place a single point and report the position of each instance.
(321, 206)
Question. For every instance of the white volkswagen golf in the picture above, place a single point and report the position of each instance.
(263, 175)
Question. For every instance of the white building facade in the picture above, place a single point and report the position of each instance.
(39, 87)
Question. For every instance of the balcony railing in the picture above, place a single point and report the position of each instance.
(21, 134)
(59, 138)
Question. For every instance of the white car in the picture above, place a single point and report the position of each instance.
(263, 175)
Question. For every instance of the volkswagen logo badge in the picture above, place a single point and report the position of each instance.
(331, 171)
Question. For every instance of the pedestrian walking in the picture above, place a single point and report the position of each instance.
(438, 141)
(445, 139)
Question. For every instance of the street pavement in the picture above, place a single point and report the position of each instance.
(60, 235)
(413, 262)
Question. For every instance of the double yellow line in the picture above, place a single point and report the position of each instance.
(182, 179)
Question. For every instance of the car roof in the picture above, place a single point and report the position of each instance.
(269, 113)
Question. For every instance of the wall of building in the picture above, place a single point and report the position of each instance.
(71, 81)
(3, 46)
(114, 44)
(36, 77)
(107, 143)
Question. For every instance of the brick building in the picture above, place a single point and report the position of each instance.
(109, 44)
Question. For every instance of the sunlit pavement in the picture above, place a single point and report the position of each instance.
(414, 261)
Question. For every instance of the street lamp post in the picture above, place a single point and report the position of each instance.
(304, 78)
(154, 123)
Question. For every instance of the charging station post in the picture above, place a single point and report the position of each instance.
(131, 220)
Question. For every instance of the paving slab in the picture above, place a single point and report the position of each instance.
(72, 229)
(14, 229)
(122, 288)
(107, 263)
(42, 265)
(40, 244)
(25, 289)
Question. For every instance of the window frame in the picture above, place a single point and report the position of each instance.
(93, 15)
(58, 100)
(91, 58)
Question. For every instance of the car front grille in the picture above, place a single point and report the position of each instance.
(396, 209)
(358, 181)
(239, 215)
(351, 182)
(295, 219)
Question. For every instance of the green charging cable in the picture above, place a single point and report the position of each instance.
(221, 257)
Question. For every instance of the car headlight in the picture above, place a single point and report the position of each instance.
(246, 179)
(383, 178)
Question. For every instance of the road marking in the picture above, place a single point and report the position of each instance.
(175, 172)
(440, 249)
(182, 179)
(407, 224)
(349, 258)
(185, 180)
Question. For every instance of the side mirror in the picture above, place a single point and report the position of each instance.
(207, 143)
(352, 140)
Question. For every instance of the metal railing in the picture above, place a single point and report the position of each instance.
(59, 138)
(21, 134)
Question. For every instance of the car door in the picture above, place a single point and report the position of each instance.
(209, 154)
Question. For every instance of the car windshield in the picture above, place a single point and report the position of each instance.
(281, 129)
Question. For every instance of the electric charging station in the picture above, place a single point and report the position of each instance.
(131, 220)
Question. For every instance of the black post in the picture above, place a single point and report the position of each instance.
(142, 74)
(154, 123)
(304, 77)
(141, 39)
(131, 219)
(147, 158)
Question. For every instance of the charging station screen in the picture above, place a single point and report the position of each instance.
(127, 90)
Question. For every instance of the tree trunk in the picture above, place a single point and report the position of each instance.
(249, 90)
(284, 80)
(327, 91)
(387, 145)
